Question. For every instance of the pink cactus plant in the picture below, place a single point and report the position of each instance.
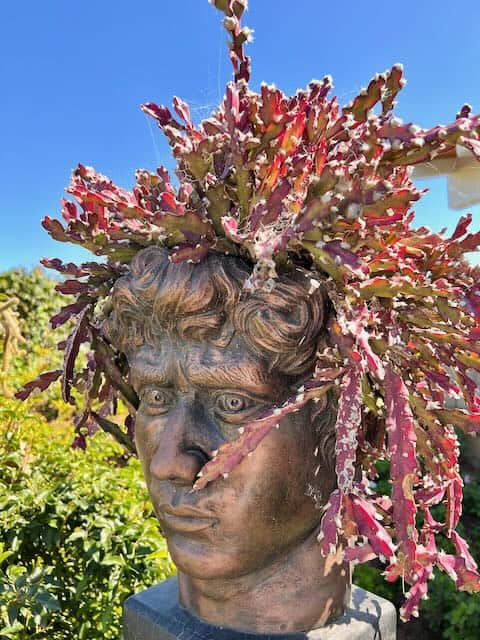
(276, 179)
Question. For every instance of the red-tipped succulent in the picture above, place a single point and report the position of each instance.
(273, 178)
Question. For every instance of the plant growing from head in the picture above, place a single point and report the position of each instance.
(283, 181)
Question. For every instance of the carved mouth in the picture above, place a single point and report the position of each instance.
(185, 519)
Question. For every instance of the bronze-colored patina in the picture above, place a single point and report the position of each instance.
(206, 357)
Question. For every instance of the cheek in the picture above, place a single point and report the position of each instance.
(277, 478)
(253, 517)
(293, 467)
(145, 439)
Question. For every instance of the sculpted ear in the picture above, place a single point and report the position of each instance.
(323, 419)
(320, 406)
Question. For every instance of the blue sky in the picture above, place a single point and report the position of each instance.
(75, 73)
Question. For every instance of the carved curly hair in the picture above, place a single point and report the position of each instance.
(207, 301)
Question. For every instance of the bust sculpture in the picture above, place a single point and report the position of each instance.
(276, 326)
(205, 359)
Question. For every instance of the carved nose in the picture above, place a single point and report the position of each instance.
(181, 448)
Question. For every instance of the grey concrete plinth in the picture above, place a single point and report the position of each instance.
(155, 614)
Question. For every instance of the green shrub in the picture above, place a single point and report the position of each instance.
(77, 532)
(37, 301)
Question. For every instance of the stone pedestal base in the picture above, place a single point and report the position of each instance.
(155, 614)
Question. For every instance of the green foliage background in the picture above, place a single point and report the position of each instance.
(77, 532)
(37, 298)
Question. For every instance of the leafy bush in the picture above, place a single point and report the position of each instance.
(38, 301)
(77, 533)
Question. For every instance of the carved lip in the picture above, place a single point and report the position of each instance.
(186, 519)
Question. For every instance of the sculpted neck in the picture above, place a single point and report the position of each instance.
(299, 591)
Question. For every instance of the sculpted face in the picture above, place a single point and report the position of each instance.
(194, 396)
(207, 358)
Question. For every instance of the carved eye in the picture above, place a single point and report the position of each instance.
(156, 400)
(233, 404)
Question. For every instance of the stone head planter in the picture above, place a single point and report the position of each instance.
(276, 326)
(206, 358)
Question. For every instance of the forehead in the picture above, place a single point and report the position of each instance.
(203, 364)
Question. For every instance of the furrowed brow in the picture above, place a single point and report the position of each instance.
(148, 374)
(245, 377)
